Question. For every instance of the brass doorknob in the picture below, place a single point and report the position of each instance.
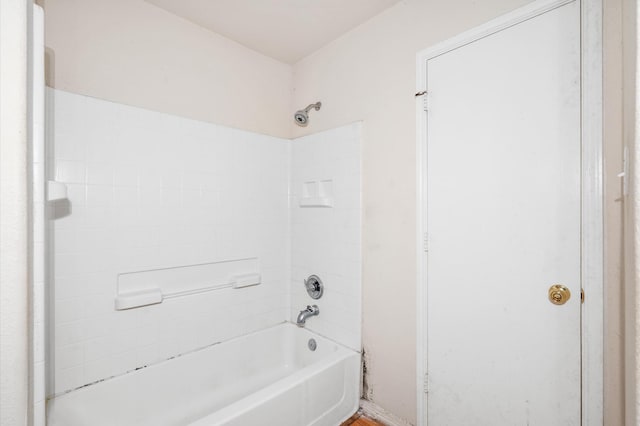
(559, 294)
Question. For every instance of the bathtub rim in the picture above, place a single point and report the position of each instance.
(254, 399)
(285, 323)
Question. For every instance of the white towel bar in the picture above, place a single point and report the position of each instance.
(136, 299)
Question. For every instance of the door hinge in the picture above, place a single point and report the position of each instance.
(425, 242)
(425, 383)
(581, 295)
(425, 104)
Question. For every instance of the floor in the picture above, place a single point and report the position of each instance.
(360, 420)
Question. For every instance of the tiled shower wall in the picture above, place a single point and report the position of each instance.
(326, 241)
(148, 190)
(39, 224)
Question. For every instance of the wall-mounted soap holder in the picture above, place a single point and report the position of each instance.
(56, 191)
(318, 193)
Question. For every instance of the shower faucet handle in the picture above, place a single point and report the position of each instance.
(314, 286)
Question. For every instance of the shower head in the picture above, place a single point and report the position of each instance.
(301, 117)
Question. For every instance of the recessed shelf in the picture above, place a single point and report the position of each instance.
(317, 193)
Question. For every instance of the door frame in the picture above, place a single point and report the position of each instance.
(592, 215)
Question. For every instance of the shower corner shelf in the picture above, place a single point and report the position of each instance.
(56, 191)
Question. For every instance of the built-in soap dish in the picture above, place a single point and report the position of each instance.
(317, 193)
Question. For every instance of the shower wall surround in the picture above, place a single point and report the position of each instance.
(38, 225)
(148, 191)
(327, 241)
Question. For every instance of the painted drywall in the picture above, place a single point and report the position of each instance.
(369, 74)
(132, 52)
(631, 132)
(613, 206)
(14, 276)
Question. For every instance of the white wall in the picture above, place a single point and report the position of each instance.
(327, 241)
(14, 277)
(613, 290)
(631, 128)
(369, 74)
(132, 52)
(146, 191)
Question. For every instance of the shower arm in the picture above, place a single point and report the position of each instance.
(315, 106)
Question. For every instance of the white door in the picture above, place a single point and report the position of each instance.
(503, 223)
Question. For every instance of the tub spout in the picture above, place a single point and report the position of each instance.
(311, 311)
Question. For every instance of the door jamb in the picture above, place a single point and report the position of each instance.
(592, 258)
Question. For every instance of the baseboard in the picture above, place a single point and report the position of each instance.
(378, 413)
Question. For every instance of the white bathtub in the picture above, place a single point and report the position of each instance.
(270, 377)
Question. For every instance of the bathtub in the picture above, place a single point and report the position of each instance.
(270, 377)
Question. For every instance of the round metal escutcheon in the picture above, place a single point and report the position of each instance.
(312, 344)
(314, 286)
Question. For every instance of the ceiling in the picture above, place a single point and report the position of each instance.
(287, 30)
